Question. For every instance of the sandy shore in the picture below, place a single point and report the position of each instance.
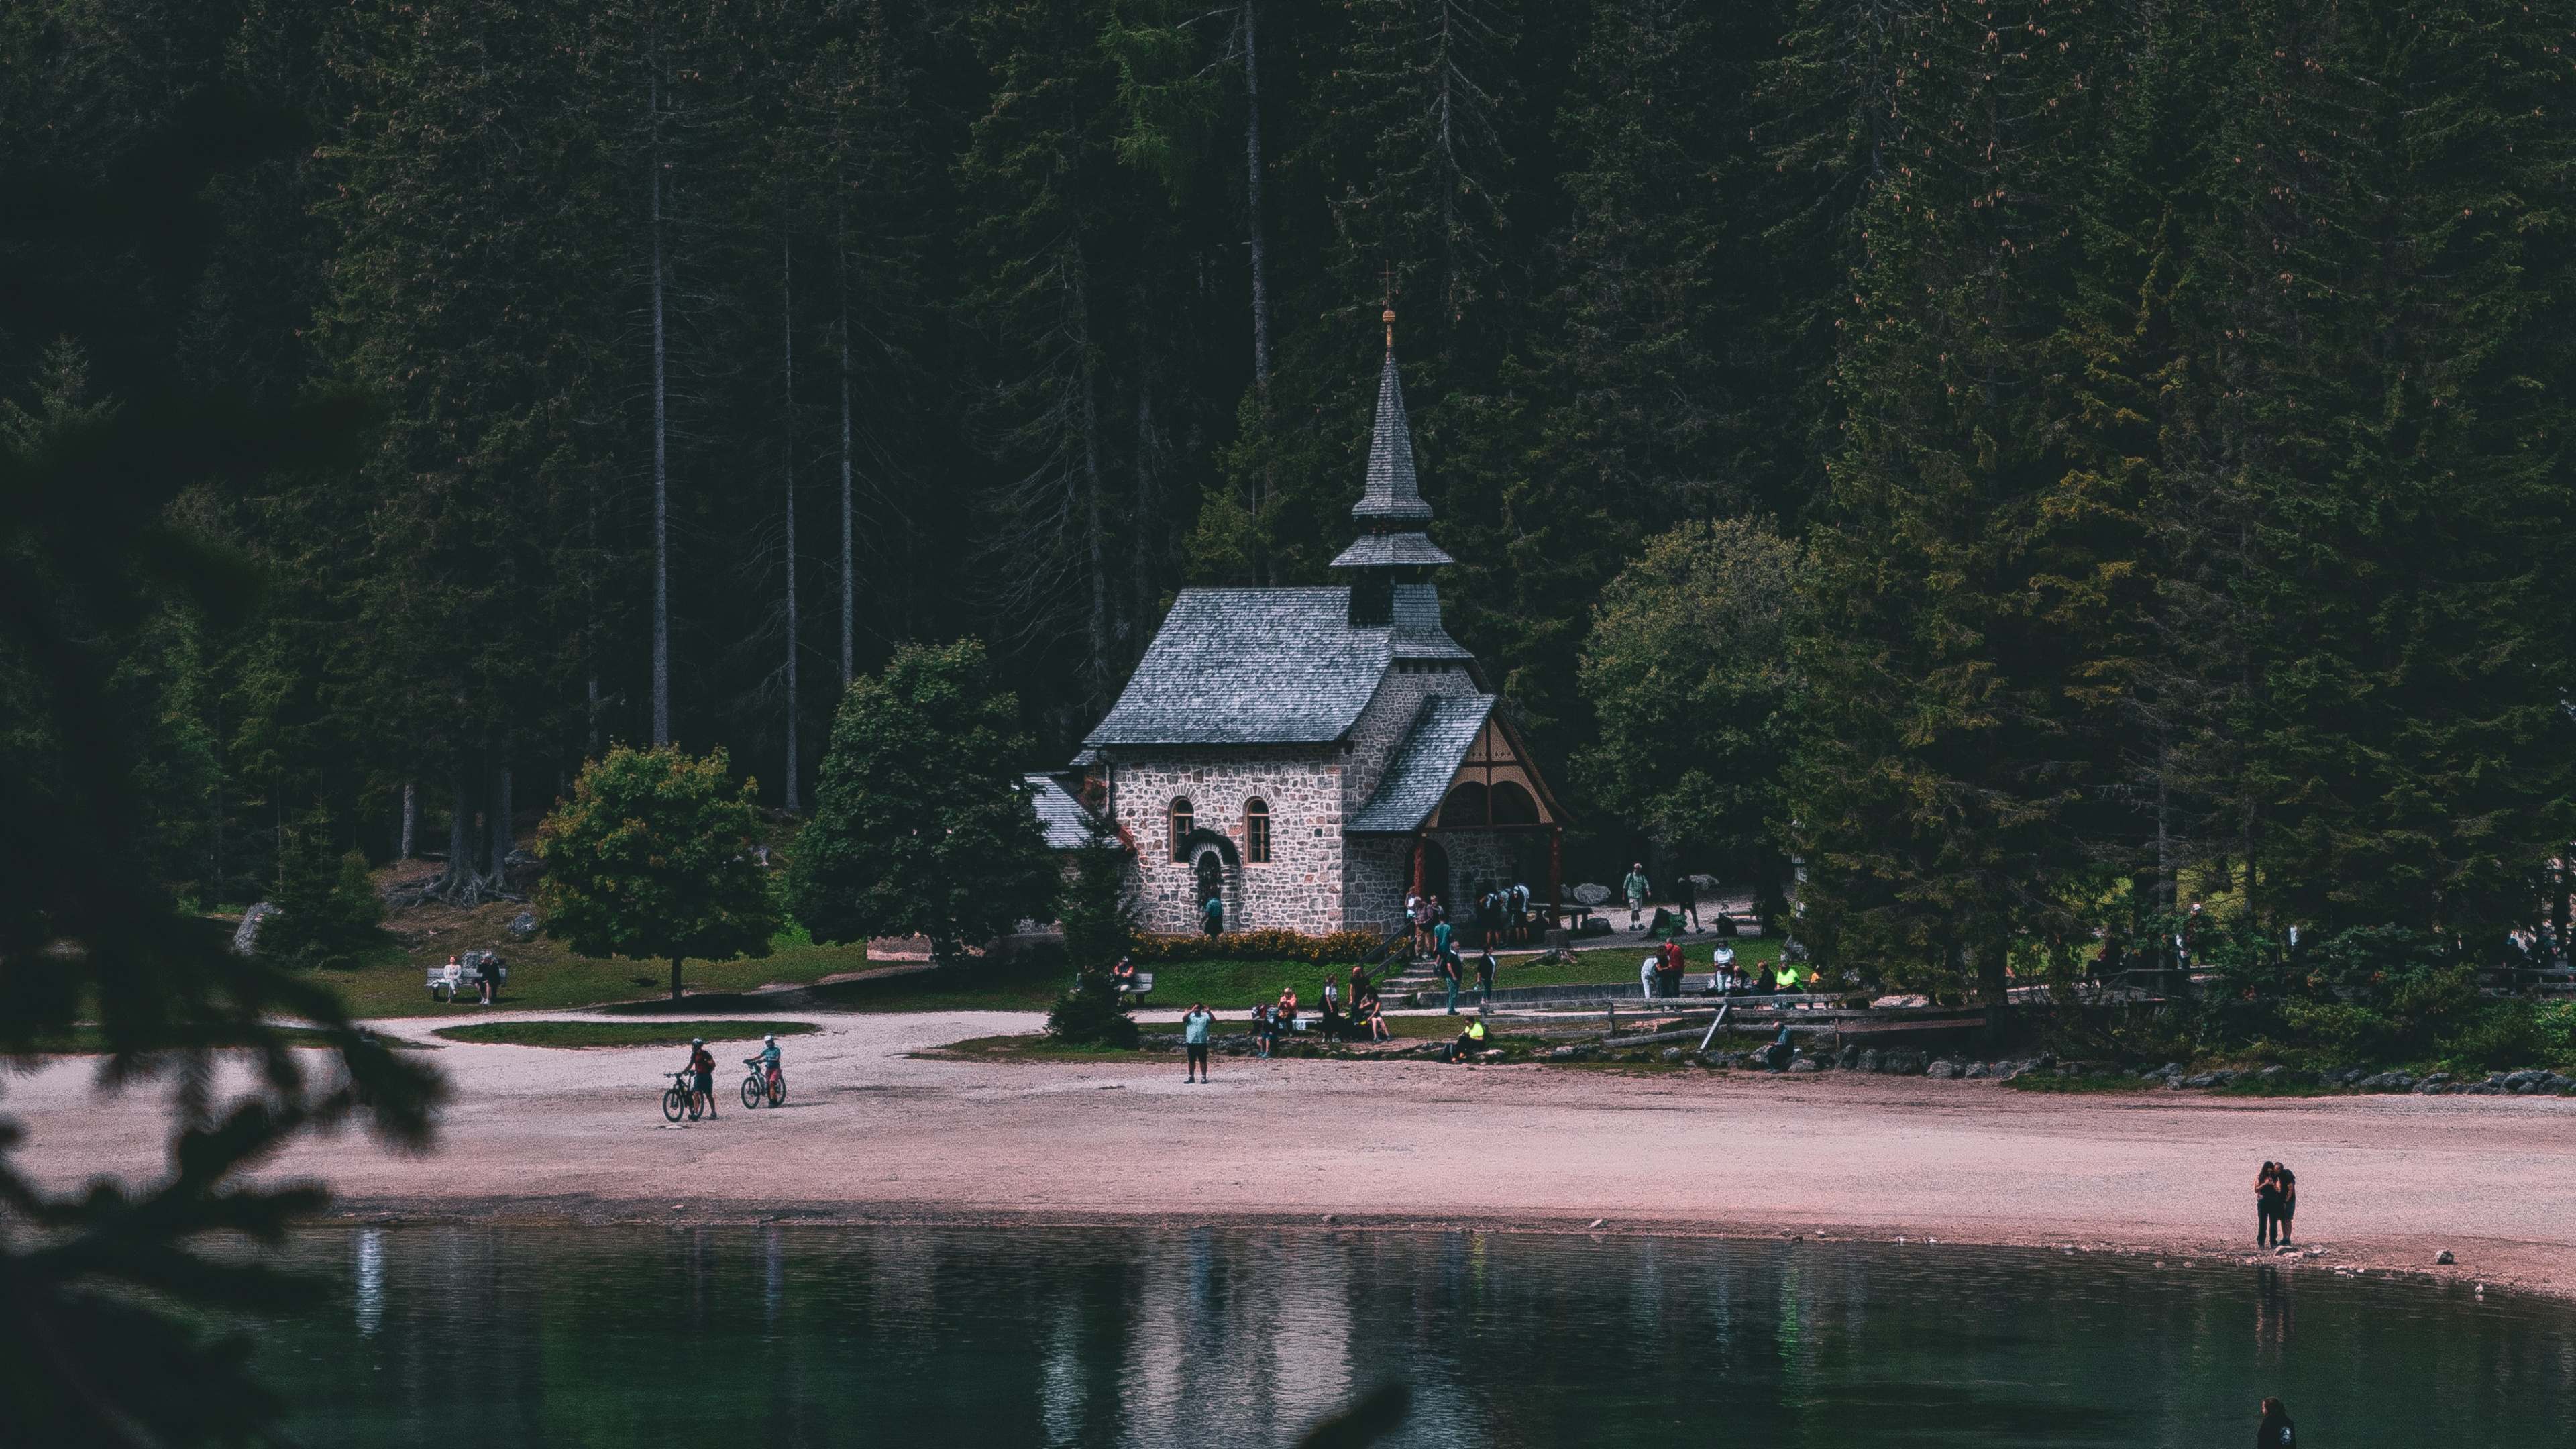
(872, 1134)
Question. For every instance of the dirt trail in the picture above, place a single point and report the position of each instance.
(873, 1134)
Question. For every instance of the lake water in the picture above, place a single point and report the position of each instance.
(792, 1336)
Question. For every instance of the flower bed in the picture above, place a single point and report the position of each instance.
(1258, 946)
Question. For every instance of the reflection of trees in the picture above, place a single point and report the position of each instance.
(1162, 1339)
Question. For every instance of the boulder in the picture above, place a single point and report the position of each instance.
(2206, 1079)
(1805, 1064)
(2274, 1074)
(1672, 1054)
(1868, 1060)
(1848, 1059)
(523, 926)
(1943, 1071)
(1564, 1053)
(1902, 1063)
(1975, 1070)
(2444, 1256)
(246, 935)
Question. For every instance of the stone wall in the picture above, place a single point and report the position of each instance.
(1299, 890)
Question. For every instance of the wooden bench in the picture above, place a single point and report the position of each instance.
(1141, 987)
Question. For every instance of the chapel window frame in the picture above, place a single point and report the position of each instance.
(1256, 832)
(1184, 820)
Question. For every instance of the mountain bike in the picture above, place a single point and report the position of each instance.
(680, 1097)
(757, 1088)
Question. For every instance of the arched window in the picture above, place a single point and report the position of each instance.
(1465, 805)
(1182, 823)
(1256, 832)
(1513, 805)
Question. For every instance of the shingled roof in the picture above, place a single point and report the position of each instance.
(1392, 490)
(1068, 825)
(1418, 778)
(1268, 667)
(1250, 666)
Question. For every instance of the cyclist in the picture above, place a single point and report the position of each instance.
(768, 1060)
(702, 1065)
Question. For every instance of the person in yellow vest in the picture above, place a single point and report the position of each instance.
(1470, 1040)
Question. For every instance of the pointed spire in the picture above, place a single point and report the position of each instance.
(1392, 490)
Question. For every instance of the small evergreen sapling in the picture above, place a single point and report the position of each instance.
(654, 858)
(1099, 927)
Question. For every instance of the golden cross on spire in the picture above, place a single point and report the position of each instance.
(1387, 269)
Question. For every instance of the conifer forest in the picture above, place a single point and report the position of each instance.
(2010, 462)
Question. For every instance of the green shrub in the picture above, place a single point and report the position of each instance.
(1092, 1014)
(2341, 1031)
(2505, 1035)
(1259, 946)
(327, 911)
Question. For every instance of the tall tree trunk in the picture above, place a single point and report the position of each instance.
(460, 827)
(661, 458)
(675, 978)
(1094, 525)
(849, 576)
(1252, 208)
(1148, 446)
(499, 825)
(787, 470)
(410, 822)
(1264, 478)
(1993, 987)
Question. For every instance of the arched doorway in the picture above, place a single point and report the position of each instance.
(1432, 873)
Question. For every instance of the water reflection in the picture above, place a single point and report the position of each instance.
(816, 1336)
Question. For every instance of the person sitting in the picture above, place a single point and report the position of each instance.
(1122, 976)
(1261, 1028)
(1287, 1009)
(1469, 1041)
(1723, 960)
(1376, 1015)
(1776, 1056)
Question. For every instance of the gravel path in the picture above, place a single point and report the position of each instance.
(872, 1133)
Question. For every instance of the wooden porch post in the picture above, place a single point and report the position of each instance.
(1555, 875)
(1419, 841)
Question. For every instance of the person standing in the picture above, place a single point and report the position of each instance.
(1417, 913)
(1485, 965)
(2289, 1204)
(703, 1065)
(1212, 916)
(1636, 888)
(1194, 1040)
(1686, 901)
(1449, 974)
(1441, 932)
(1359, 984)
(2275, 1432)
(1673, 969)
(2267, 1203)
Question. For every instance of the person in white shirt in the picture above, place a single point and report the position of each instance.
(1723, 958)
(1646, 975)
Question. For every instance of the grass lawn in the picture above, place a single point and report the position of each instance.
(1601, 964)
(543, 974)
(619, 1033)
(388, 982)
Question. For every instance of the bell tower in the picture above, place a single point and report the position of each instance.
(1392, 549)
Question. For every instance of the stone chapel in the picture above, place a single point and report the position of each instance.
(1311, 754)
